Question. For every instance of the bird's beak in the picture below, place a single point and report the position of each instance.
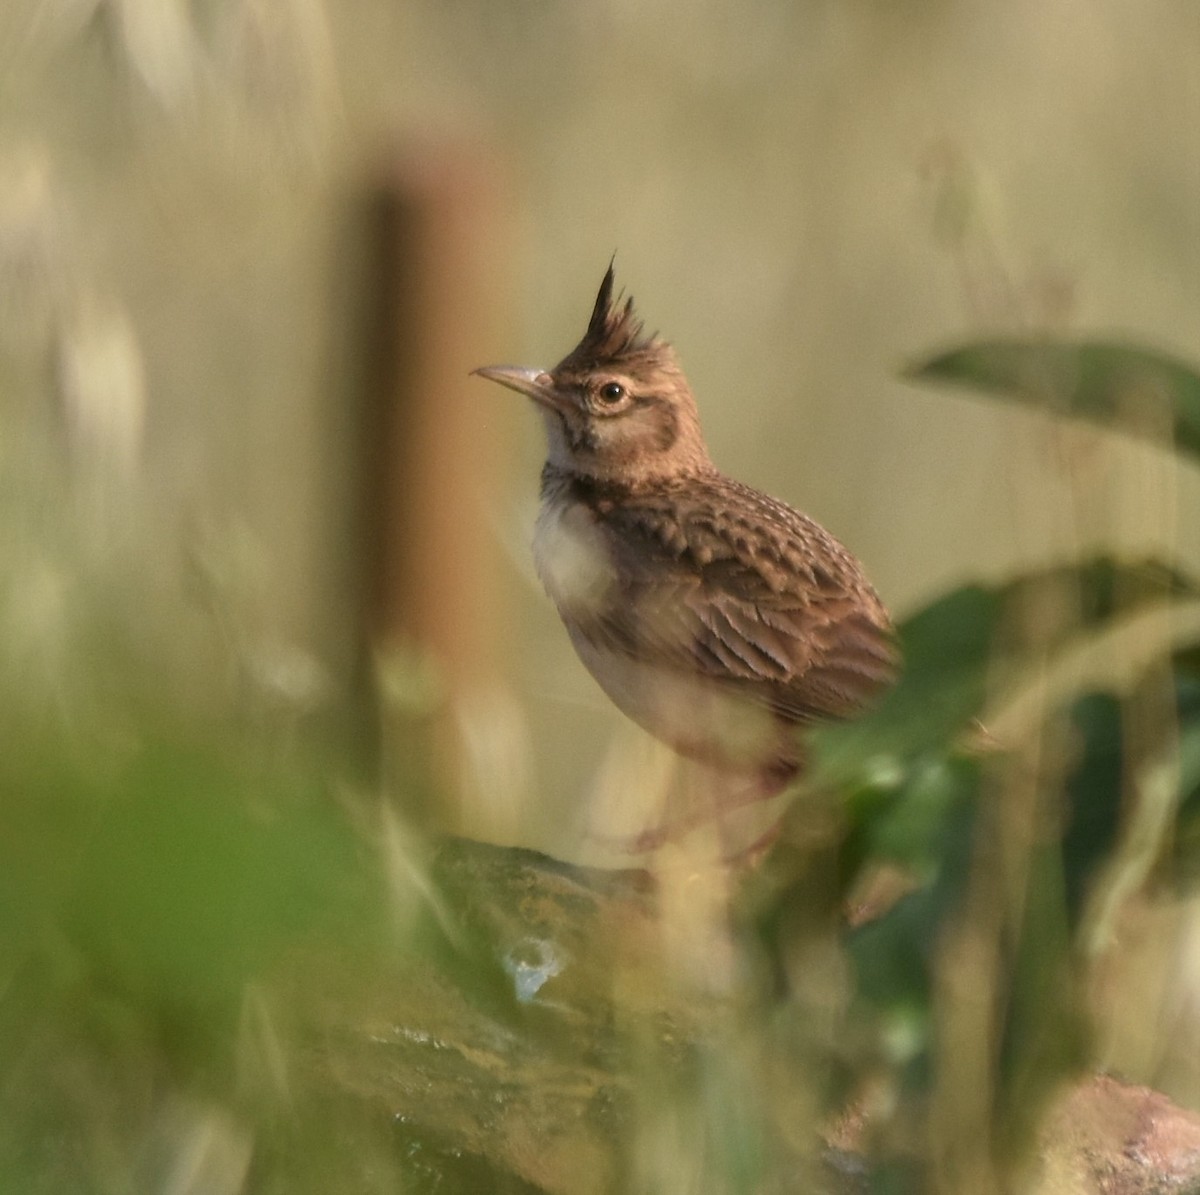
(534, 383)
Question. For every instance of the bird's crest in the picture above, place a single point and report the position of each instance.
(614, 336)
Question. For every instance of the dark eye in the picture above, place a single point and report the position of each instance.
(612, 392)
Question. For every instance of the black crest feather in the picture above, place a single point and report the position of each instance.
(614, 336)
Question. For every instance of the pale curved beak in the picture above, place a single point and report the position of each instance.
(533, 383)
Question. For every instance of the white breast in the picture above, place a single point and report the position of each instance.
(698, 718)
(571, 557)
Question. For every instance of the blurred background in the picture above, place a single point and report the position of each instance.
(266, 599)
(249, 252)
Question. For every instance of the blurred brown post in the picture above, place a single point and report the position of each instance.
(433, 435)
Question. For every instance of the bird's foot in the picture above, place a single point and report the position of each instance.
(716, 813)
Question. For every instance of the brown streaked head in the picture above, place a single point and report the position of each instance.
(617, 407)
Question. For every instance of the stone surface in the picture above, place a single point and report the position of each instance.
(513, 1051)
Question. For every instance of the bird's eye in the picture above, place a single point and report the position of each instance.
(612, 392)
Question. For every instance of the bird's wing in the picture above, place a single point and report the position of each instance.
(761, 599)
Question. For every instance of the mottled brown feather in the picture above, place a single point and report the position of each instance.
(715, 578)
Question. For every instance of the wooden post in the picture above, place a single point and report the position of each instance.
(435, 441)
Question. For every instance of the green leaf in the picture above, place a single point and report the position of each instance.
(1134, 390)
(195, 878)
(962, 648)
(1095, 795)
(1184, 863)
(929, 829)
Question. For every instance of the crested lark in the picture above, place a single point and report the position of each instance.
(718, 618)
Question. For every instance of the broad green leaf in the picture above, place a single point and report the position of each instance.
(1094, 795)
(977, 642)
(1134, 390)
(1185, 856)
(195, 878)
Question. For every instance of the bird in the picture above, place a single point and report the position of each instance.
(721, 620)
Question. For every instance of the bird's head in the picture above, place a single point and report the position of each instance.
(617, 407)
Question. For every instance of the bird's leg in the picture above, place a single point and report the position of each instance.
(707, 799)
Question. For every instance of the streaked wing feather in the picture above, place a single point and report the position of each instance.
(802, 660)
(727, 583)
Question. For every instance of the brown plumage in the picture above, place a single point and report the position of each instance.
(717, 617)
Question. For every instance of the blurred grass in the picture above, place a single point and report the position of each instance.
(144, 911)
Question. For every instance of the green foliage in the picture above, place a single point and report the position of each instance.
(193, 879)
(1122, 386)
(1020, 851)
(142, 908)
(963, 650)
